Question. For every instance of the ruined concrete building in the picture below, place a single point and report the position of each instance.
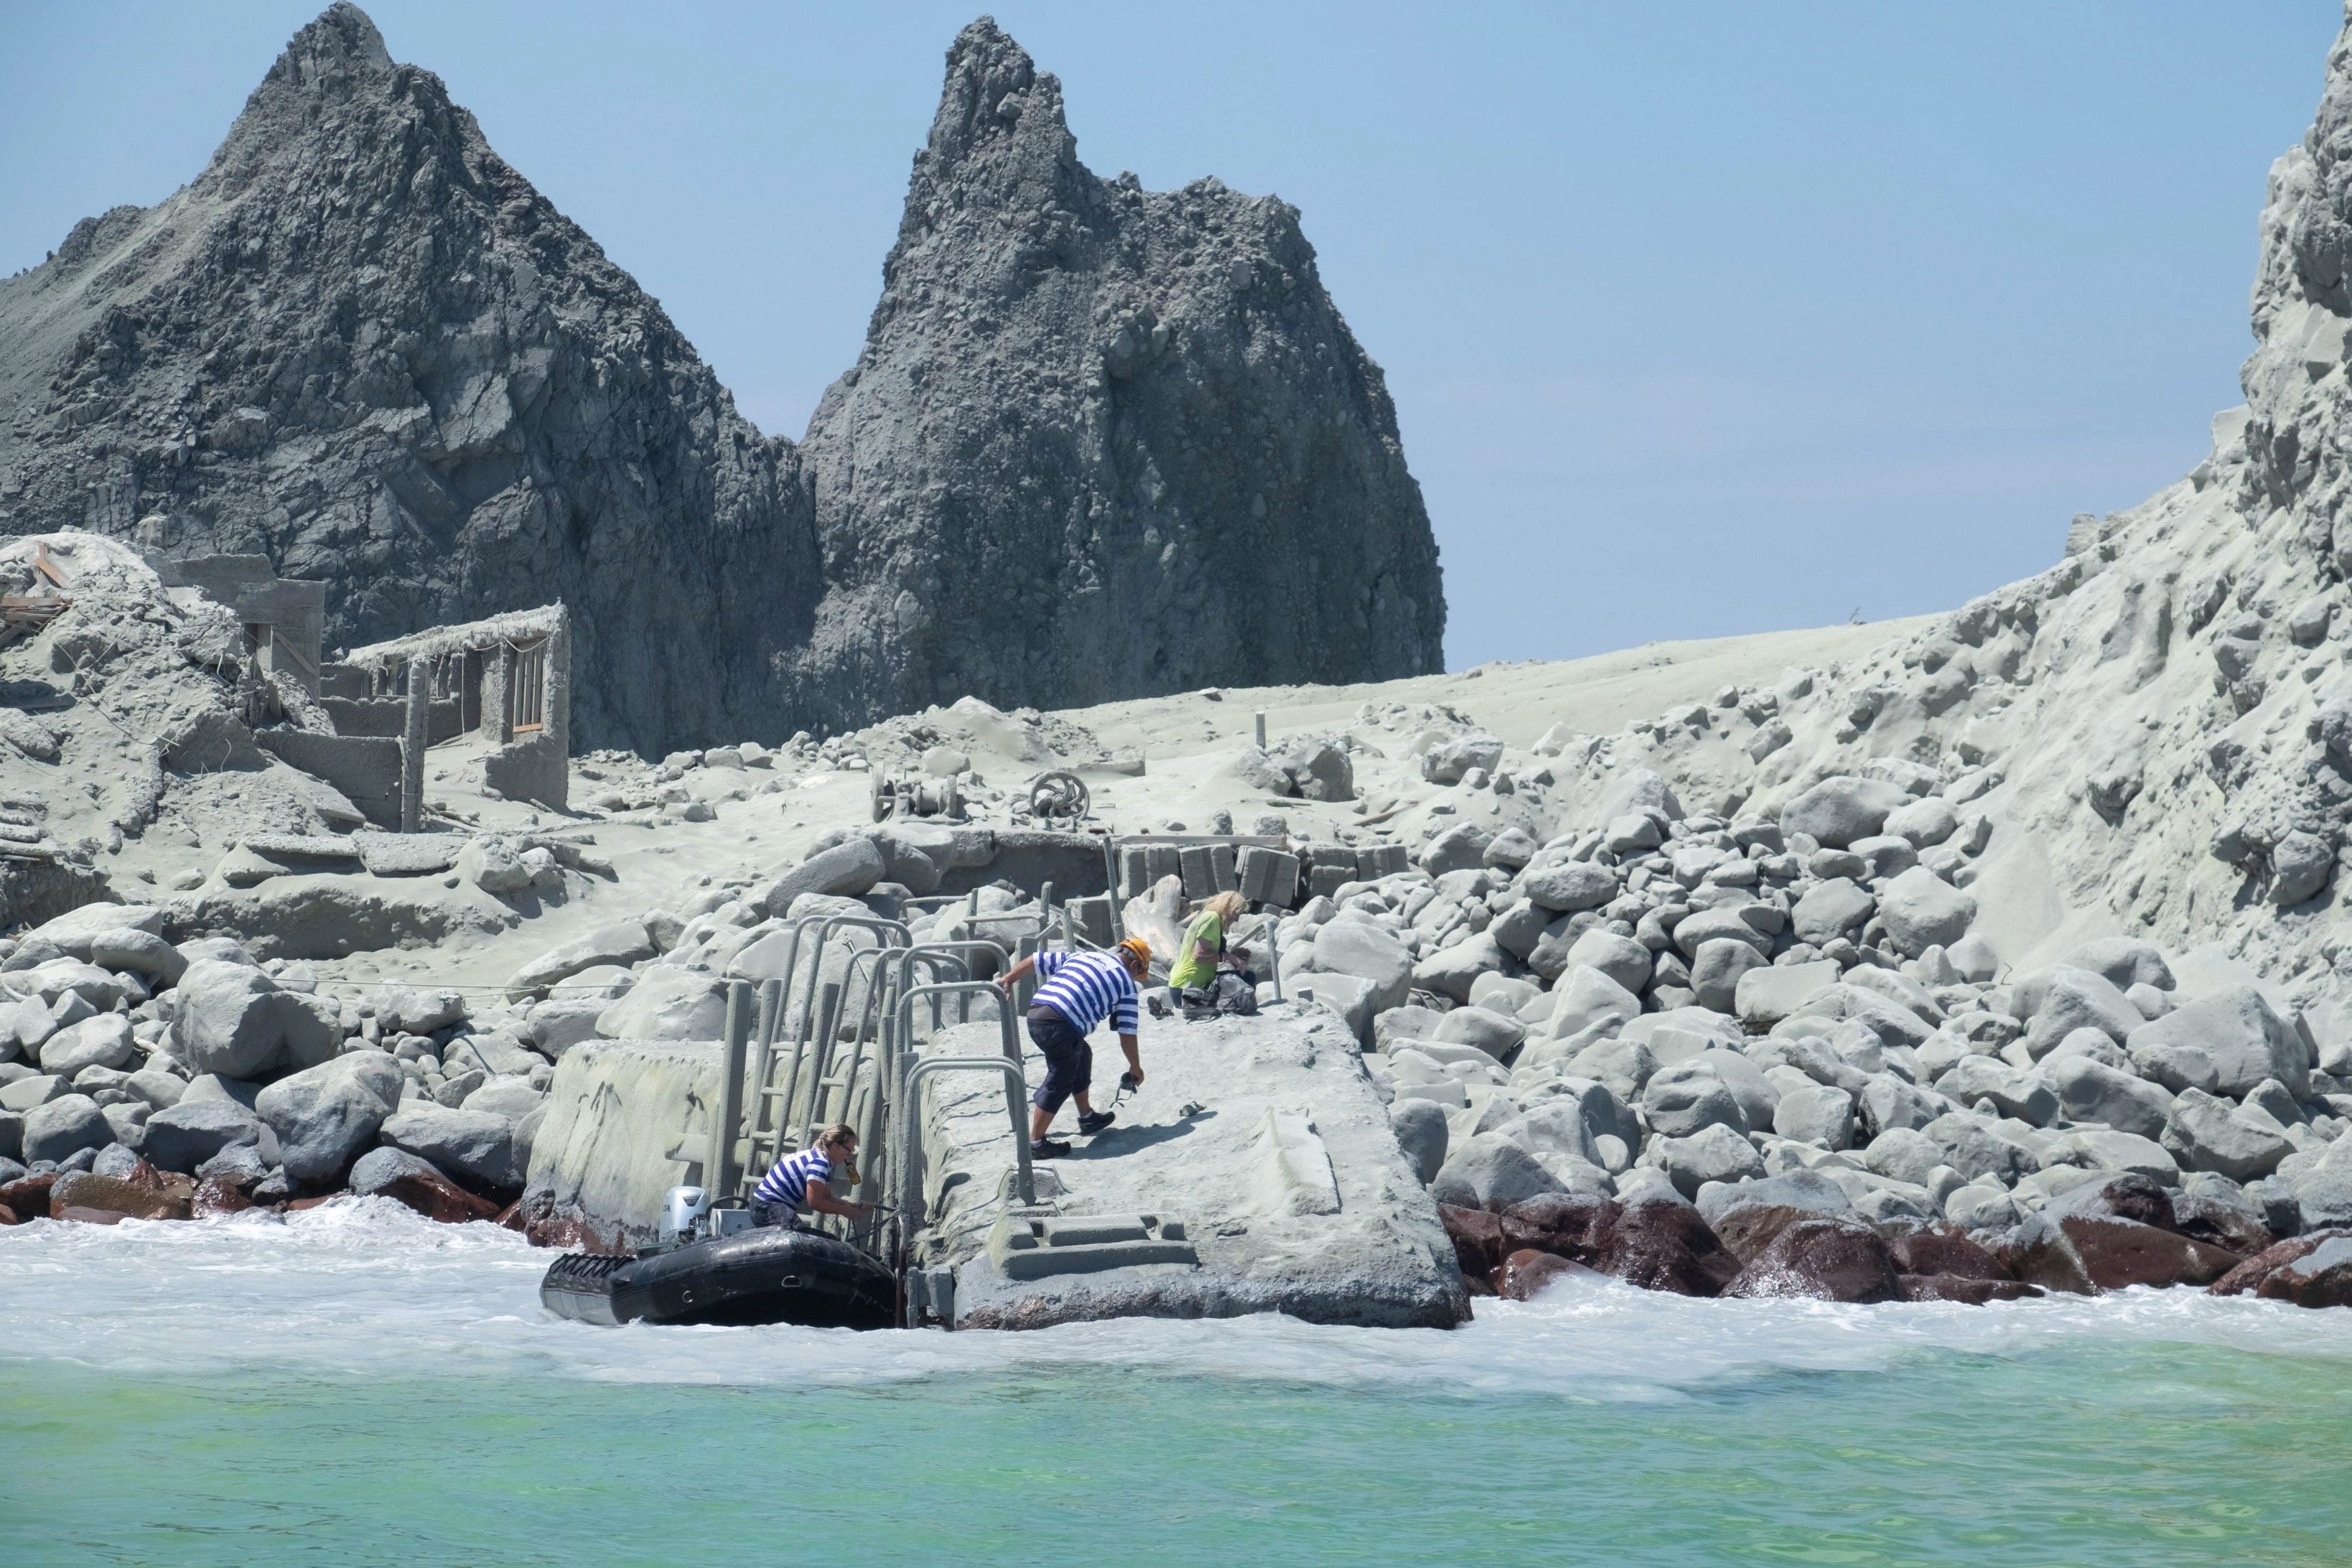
(508, 678)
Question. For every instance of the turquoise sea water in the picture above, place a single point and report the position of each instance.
(363, 1387)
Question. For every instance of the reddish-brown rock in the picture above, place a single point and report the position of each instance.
(1664, 1245)
(436, 1198)
(8, 1215)
(1746, 1231)
(315, 1200)
(1477, 1238)
(2087, 1253)
(218, 1195)
(108, 1200)
(1825, 1259)
(1941, 1248)
(2128, 1196)
(2220, 1225)
(143, 1175)
(29, 1196)
(1570, 1225)
(1526, 1273)
(2249, 1276)
(2320, 1277)
(1969, 1288)
(546, 1225)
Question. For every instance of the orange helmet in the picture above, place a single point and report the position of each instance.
(1136, 954)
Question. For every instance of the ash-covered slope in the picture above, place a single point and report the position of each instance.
(2160, 727)
(1102, 442)
(361, 344)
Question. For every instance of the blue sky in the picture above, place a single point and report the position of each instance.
(1699, 319)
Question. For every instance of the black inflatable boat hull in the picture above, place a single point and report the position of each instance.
(766, 1276)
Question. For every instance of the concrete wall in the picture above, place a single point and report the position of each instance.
(1030, 858)
(388, 716)
(614, 1110)
(295, 609)
(366, 768)
(532, 768)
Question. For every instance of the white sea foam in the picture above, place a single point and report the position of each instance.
(366, 1287)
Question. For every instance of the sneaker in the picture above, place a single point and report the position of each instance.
(1048, 1149)
(1094, 1122)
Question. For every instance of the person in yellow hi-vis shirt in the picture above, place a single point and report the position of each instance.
(1194, 978)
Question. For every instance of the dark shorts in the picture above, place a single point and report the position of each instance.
(1069, 1060)
(772, 1212)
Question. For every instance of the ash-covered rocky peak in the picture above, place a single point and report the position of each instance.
(1102, 441)
(361, 344)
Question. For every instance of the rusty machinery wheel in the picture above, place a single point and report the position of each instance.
(1058, 796)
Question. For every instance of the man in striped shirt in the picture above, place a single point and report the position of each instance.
(1079, 991)
(805, 1178)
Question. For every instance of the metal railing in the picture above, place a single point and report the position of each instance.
(801, 1051)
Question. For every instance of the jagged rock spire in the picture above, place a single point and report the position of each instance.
(1100, 443)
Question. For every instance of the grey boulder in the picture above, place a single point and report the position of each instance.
(1358, 947)
(476, 1147)
(1830, 909)
(2123, 962)
(1420, 1133)
(2207, 1133)
(2090, 1091)
(1568, 885)
(1840, 809)
(1765, 995)
(666, 1004)
(1808, 1191)
(622, 942)
(1490, 1171)
(233, 1020)
(2028, 1096)
(1717, 1153)
(1621, 958)
(1717, 969)
(2240, 1033)
(184, 1136)
(1452, 971)
(2056, 1000)
(64, 1127)
(848, 869)
(1971, 1145)
(327, 1115)
(1821, 1115)
(1923, 911)
(2323, 1189)
(102, 1040)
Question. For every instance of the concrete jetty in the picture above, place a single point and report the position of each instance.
(1254, 1172)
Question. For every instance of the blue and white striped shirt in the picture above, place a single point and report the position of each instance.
(787, 1181)
(1085, 988)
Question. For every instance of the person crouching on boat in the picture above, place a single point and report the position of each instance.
(805, 1179)
(1079, 990)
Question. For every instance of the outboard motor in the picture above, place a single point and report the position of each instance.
(682, 1212)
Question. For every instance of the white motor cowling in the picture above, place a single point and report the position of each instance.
(682, 1211)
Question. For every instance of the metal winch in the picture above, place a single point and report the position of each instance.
(915, 795)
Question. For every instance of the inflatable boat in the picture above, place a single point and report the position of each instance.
(770, 1276)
